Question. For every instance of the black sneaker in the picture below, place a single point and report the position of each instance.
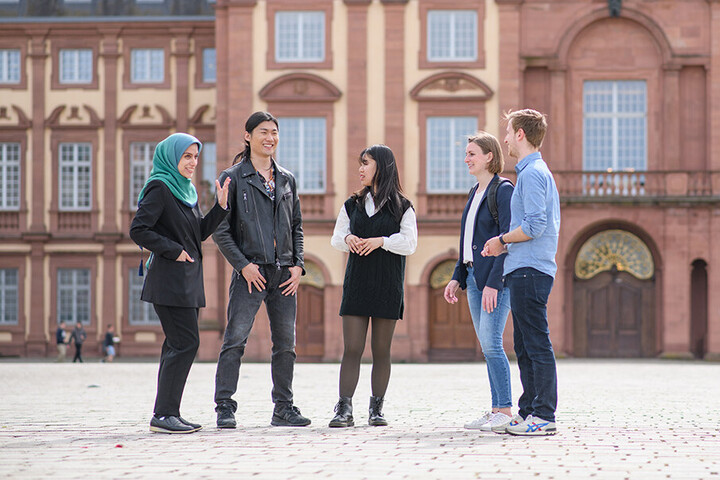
(225, 418)
(169, 425)
(289, 416)
(196, 426)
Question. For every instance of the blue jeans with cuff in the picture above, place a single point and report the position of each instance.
(489, 328)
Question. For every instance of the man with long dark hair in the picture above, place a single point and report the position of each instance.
(262, 238)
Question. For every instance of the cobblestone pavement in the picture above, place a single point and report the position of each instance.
(616, 419)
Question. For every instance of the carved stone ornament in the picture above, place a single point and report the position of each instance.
(442, 274)
(451, 86)
(614, 248)
(300, 87)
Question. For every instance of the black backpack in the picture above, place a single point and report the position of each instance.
(492, 196)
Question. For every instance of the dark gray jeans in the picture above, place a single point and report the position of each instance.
(242, 308)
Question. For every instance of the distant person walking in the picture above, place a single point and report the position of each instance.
(530, 269)
(377, 226)
(170, 224)
(61, 341)
(109, 344)
(78, 337)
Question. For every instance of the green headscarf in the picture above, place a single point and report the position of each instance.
(166, 157)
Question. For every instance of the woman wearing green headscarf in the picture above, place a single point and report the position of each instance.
(169, 223)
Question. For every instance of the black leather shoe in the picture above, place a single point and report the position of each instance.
(196, 426)
(376, 418)
(225, 418)
(343, 414)
(169, 425)
(288, 416)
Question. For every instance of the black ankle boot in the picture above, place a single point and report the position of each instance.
(376, 418)
(343, 413)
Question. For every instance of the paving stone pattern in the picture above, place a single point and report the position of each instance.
(616, 419)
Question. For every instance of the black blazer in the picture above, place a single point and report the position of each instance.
(166, 226)
(487, 270)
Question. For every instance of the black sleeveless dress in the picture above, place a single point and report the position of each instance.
(373, 285)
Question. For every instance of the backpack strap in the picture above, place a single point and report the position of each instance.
(492, 196)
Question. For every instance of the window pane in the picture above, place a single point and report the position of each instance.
(75, 65)
(140, 166)
(446, 141)
(452, 35)
(73, 295)
(75, 176)
(8, 296)
(303, 151)
(299, 36)
(139, 312)
(9, 66)
(9, 176)
(209, 65)
(147, 65)
(614, 125)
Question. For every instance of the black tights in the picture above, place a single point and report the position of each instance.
(354, 333)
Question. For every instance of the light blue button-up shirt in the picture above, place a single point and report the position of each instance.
(535, 207)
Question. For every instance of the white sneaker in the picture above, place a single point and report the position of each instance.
(513, 421)
(476, 424)
(496, 421)
(533, 426)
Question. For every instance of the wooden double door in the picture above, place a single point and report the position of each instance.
(452, 335)
(614, 316)
(309, 330)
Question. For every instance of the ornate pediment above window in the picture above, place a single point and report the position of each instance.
(204, 116)
(13, 118)
(73, 117)
(144, 116)
(451, 86)
(300, 87)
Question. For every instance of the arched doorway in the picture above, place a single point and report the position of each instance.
(614, 297)
(698, 308)
(310, 332)
(452, 335)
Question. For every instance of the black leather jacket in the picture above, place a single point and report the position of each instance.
(258, 230)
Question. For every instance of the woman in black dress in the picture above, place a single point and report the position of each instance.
(377, 226)
(169, 223)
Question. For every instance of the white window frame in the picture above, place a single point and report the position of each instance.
(141, 155)
(297, 155)
(301, 17)
(9, 290)
(140, 313)
(448, 166)
(10, 183)
(78, 57)
(209, 68)
(147, 58)
(10, 66)
(614, 117)
(451, 37)
(75, 175)
(72, 293)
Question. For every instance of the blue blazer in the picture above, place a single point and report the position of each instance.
(487, 270)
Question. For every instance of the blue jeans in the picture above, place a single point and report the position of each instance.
(529, 292)
(242, 308)
(489, 328)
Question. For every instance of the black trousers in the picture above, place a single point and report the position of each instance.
(180, 326)
(78, 352)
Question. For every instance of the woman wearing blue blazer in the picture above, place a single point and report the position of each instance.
(488, 298)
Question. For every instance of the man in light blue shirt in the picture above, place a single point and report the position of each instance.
(529, 271)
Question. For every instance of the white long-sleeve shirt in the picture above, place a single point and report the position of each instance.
(402, 243)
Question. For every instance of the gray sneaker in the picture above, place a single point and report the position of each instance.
(533, 426)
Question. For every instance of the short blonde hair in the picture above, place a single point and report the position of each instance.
(489, 144)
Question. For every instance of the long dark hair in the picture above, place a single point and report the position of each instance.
(251, 124)
(385, 189)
